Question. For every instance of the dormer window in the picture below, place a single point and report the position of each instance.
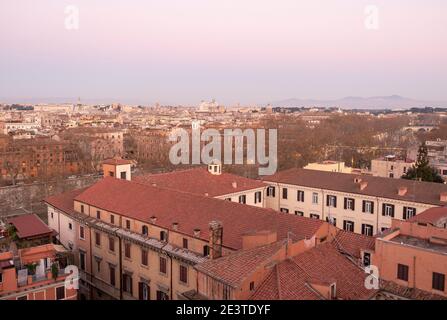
(145, 230)
(163, 236)
(333, 291)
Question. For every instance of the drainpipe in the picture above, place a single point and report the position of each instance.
(120, 267)
(171, 276)
(322, 205)
(377, 219)
(414, 271)
(91, 261)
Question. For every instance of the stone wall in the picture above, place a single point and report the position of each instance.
(30, 196)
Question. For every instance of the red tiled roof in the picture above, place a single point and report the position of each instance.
(235, 267)
(417, 191)
(322, 264)
(29, 225)
(352, 243)
(200, 181)
(190, 211)
(64, 201)
(431, 216)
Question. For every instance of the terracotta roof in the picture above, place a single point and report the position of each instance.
(200, 181)
(431, 216)
(417, 191)
(64, 201)
(235, 267)
(322, 264)
(29, 225)
(141, 202)
(353, 243)
(408, 293)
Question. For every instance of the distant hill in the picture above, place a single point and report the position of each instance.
(381, 102)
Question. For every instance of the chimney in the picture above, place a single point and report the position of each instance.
(215, 242)
(153, 219)
(234, 184)
(196, 232)
(402, 191)
(154, 184)
(363, 185)
(443, 197)
(175, 226)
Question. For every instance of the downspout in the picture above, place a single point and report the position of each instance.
(120, 267)
(322, 205)
(171, 275)
(91, 262)
(414, 271)
(377, 219)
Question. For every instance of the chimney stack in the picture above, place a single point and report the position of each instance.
(215, 242)
(363, 185)
(402, 191)
(153, 219)
(234, 184)
(175, 226)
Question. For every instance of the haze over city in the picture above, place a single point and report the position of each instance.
(248, 52)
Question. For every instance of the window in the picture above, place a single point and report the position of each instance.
(111, 174)
(348, 225)
(271, 191)
(60, 293)
(388, 210)
(22, 298)
(127, 250)
(284, 193)
(391, 175)
(163, 236)
(123, 175)
(51, 215)
(112, 244)
(81, 233)
(82, 260)
(333, 291)
(402, 272)
(349, 204)
(97, 239)
(228, 199)
(409, 212)
(112, 275)
(331, 220)
(367, 230)
(258, 197)
(367, 206)
(70, 226)
(1, 277)
(162, 265)
(314, 216)
(98, 214)
(143, 291)
(185, 243)
(284, 210)
(82, 208)
(438, 281)
(144, 257)
(145, 230)
(242, 199)
(206, 250)
(299, 213)
(252, 286)
(331, 201)
(300, 196)
(98, 265)
(128, 224)
(112, 219)
(315, 198)
(162, 295)
(127, 283)
(366, 259)
(183, 274)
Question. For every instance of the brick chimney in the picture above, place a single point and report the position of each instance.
(234, 184)
(402, 191)
(215, 242)
(153, 219)
(196, 232)
(175, 226)
(363, 185)
(443, 197)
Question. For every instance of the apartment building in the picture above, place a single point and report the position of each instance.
(437, 155)
(329, 165)
(390, 167)
(31, 266)
(210, 182)
(412, 256)
(135, 240)
(358, 203)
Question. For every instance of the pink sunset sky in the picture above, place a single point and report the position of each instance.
(246, 51)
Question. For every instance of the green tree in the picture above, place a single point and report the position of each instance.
(422, 170)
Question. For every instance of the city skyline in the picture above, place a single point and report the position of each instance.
(248, 53)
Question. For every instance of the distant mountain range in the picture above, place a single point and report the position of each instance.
(380, 102)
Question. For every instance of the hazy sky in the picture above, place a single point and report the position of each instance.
(248, 51)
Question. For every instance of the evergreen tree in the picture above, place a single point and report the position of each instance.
(422, 170)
